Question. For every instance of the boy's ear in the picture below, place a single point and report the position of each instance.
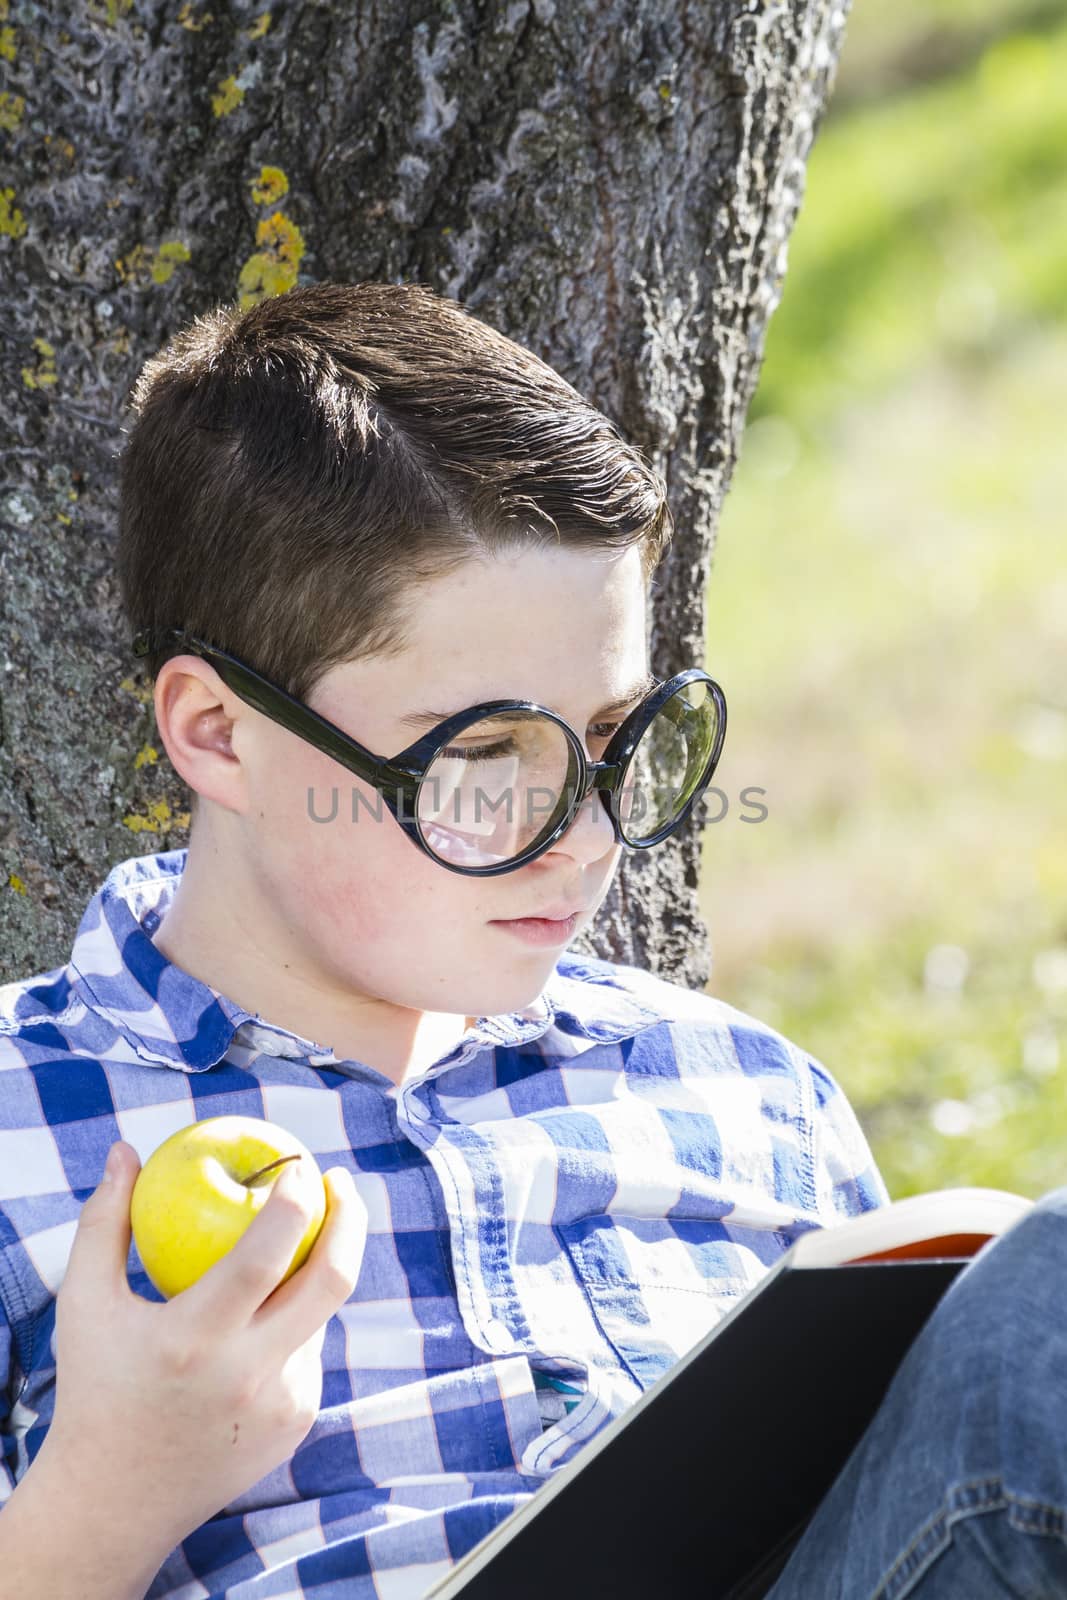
(195, 714)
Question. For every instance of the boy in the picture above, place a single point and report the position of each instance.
(360, 500)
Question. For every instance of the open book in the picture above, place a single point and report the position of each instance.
(704, 1485)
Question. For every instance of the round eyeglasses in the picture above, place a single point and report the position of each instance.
(495, 786)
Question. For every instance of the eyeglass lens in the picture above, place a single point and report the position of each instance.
(504, 784)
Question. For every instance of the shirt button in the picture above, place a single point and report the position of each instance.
(498, 1334)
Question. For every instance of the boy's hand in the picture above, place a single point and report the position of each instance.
(177, 1409)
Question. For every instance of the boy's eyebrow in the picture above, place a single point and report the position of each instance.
(644, 686)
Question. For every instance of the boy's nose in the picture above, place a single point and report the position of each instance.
(590, 834)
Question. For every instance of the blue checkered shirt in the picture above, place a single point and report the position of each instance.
(576, 1192)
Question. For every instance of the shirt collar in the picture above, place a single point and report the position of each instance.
(172, 1019)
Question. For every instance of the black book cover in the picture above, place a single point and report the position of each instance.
(705, 1489)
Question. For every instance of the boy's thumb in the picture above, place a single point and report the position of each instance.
(102, 1239)
(117, 1166)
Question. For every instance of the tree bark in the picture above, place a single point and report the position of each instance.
(610, 182)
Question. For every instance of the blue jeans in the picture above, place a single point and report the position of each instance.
(958, 1488)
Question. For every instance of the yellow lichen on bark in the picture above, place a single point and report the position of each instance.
(274, 266)
(145, 262)
(12, 221)
(194, 24)
(143, 692)
(170, 252)
(271, 186)
(152, 820)
(135, 264)
(227, 97)
(43, 373)
(11, 108)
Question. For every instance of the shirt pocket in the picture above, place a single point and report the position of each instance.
(657, 1285)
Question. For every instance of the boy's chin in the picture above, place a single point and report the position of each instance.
(503, 998)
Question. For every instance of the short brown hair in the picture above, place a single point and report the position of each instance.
(295, 470)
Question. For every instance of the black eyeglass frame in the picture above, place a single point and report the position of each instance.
(405, 771)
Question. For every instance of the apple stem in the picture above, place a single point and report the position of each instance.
(270, 1168)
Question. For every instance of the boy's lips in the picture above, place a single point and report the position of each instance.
(546, 931)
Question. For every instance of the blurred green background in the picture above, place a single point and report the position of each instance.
(888, 606)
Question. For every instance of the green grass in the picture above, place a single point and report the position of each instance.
(888, 617)
(892, 44)
(932, 221)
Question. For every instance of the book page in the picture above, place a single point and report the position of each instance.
(944, 1223)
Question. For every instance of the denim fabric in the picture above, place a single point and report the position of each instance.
(958, 1488)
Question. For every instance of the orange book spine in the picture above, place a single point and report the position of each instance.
(947, 1244)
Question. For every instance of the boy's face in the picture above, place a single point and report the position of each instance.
(355, 908)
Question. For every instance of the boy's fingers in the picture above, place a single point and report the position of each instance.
(102, 1240)
(230, 1293)
(299, 1308)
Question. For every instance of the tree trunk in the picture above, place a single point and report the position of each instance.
(610, 182)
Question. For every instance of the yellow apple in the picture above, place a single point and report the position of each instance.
(204, 1185)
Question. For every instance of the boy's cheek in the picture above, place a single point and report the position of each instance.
(362, 880)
